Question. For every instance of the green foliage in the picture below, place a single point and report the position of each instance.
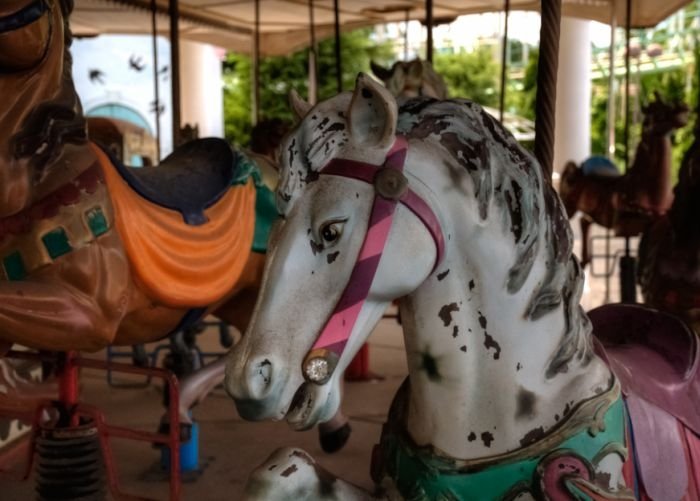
(472, 75)
(523, 101)
(280, 74)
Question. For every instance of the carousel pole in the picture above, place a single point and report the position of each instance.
(256, 66)
(338, 60)
(313, 64)
(628, 286)
(504, 62)
(611, 134)
(547, 85)
(174, 12)
(429, 25)
(405, 34)
(156, 86)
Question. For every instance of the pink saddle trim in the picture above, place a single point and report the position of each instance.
(659, 450)
(654, 355)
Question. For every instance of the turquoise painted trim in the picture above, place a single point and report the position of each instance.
(56, 243)
(265, 203)
(245, 169)
(420, 476)
(14, 267)
(265, 216)
(97, 221)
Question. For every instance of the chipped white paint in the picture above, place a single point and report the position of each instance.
(498, 349)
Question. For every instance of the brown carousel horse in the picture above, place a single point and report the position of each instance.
(669, 253)
(93, 253)
(628, 203)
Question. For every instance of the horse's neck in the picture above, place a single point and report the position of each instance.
(651, 170)
(477, 366)
(20, 188)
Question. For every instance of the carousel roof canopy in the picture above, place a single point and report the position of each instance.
(284, 24)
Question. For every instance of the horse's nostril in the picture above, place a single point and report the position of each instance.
(260, 374)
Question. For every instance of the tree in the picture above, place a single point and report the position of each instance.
(471, 75)
(280, 74)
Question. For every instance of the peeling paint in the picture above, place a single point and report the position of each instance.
(446, 311)
(489, 343)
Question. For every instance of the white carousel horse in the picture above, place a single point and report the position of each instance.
(436, 204)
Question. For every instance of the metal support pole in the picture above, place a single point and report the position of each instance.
(429, 25)
(313, 64)
(628, 287)
(174, 13)
(547, 85)
(405, 34)
(156, 84)
(255, 83)
(338, 57)
(610, 137)
(504, 61)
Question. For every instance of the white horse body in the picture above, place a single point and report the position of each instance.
(499, 353)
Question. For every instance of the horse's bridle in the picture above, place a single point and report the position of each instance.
(391, 188)
(23, 17)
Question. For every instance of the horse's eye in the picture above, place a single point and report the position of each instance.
(330, 232)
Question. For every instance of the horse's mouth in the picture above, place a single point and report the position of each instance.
(305, 408)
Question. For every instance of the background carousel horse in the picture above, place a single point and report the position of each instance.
(628, 203)
(411, 79)
(669, 252)
(93, 253)
(506, 397)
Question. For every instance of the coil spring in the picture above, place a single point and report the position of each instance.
(70, 465)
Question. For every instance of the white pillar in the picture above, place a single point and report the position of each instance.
(202, 87)
(572, 135)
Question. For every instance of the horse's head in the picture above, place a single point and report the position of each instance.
(662, 118)
(41, 112)
(325, 286)
(411, 79)
(685, 210)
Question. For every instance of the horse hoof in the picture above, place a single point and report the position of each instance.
(333, 441)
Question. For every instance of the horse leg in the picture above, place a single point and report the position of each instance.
(292, 474)
(585, 227)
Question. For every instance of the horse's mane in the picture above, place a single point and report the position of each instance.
(57, 121)
(505, 175)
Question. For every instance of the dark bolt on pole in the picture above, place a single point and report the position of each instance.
(628, 264)
(174, 13)
(429, 26)
(504, 61)
(338, 57)
(256, 65)
(156, 85)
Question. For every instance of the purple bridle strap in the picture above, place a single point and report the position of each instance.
(391, 188)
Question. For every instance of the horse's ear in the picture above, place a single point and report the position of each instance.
(299, 106)
(415, 69)
(372, 115)
(658, 97)
(380, 71)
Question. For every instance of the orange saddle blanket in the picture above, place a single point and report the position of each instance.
(180, 265)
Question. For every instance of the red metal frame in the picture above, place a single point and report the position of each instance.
(69, 364)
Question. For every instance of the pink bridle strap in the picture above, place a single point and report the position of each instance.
(391, 187)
